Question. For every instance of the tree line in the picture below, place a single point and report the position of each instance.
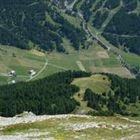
(51, 95)
(123, 93)
(36, 24)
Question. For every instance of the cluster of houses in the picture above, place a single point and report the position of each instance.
(13, 73)
(32, 72)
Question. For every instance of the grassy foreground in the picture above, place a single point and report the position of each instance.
(74, 128)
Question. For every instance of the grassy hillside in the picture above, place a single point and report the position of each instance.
(97, 83)
(77, 92)
(102, 16)
(93, 59)
(105, 88)
(73, 127)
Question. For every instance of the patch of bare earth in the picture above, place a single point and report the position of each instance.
(38, 53)
(102, 54)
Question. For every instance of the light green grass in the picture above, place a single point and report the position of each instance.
(130, 58)
(22, 61)
(135, 109)
(97, 83)
(73, 20)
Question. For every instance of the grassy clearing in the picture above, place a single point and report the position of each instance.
(97, 83)
(73, 20)
(3, 80)
(130, 58)
(90, 59)
(61, 129)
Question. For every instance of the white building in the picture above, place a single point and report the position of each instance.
(13, 82)
(12, 73)
(32, 72)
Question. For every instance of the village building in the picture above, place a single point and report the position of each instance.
(32, 72)
(12, 73)
(13, 82)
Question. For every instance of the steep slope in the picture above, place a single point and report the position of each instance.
(42, 24)
(118, 21)
(98, 16)
(27, 24)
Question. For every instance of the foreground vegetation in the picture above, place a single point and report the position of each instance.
(76, 128)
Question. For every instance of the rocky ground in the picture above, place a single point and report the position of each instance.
(28, 126)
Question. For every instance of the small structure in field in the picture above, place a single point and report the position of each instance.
(32, 72)
(12, 73)
(13, 82)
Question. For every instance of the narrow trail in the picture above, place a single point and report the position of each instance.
(56, 66)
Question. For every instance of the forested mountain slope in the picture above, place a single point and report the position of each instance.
(117, 20)
(51, 95)
(40, 23)
(36, 23)
(56, 95)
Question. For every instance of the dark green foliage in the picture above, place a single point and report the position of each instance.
(86, 8)
(130, 5)
(123, 93)
(126, 88)
(51, 95)
(22, 22)
(132, 43)
(111, 4)
(98, 5)
(124, 24)
(99, 19)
